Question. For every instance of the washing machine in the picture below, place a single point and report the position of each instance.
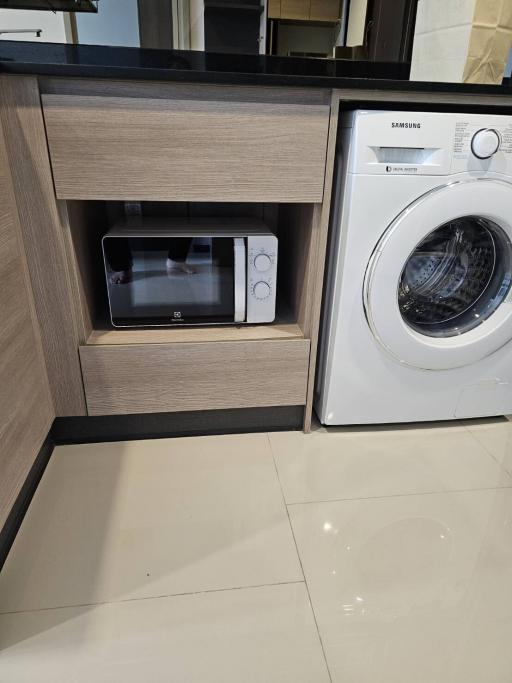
(417, 318)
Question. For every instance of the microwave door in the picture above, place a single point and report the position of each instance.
(175, 280)
(240, 283)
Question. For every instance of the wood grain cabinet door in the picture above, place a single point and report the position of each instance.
(295, 9)
(148, 378)
(274, 9)
(325, 10)
(26, 410)
(123, 148)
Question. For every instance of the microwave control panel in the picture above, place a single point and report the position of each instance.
(261, 278)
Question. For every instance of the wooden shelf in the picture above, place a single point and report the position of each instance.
(217, 333)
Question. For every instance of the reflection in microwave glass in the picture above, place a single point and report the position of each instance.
(194, 278)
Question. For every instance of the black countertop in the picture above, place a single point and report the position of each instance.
(97, 61)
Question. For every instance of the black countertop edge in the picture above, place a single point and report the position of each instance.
(96, 61)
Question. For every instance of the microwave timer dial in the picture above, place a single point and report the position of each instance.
(261, 290)
(262, 263)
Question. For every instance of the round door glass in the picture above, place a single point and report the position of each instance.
(456, 277)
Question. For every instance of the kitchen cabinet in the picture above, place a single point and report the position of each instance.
(121, 148)
(295, 9)
(305, 10)
(274, 9)
(26, 409)
(71, 150)
(324, 10)
(194, 376)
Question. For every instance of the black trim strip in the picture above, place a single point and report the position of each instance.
(12, 525)
(67, 430)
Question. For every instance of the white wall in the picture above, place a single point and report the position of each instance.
(56, 26)
(263, 29)
(441, 40)
(197, 24)
(356, 22)
(508, 68)
(116, 23)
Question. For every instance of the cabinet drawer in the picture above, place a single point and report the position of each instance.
(125, 148)
(151, 378)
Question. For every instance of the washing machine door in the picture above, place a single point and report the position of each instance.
(437, 289)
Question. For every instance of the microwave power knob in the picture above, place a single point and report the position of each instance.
(262, 263)
(261, 290)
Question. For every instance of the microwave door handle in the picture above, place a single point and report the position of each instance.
(240, 287)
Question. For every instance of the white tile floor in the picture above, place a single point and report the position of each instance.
(357, 556)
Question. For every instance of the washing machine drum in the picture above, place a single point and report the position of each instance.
(456, 277)
(443, 301)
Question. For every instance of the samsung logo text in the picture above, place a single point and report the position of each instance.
(405, 124)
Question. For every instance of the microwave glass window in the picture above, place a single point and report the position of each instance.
(168, 280)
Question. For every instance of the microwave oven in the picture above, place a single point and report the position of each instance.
(168, 272)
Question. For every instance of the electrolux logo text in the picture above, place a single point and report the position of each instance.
(405, 124)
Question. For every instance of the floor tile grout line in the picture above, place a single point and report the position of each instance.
(399, 495)
(300, 561)
(154, 597)
(488, 451)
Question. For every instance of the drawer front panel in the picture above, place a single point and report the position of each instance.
(123, 148)
(153, 378)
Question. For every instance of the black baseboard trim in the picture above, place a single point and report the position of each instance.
(68, 430)
(11, 527)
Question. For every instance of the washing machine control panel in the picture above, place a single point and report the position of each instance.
(482, 143)
(428, 143)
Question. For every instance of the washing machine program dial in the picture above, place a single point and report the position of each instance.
(485, 143)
